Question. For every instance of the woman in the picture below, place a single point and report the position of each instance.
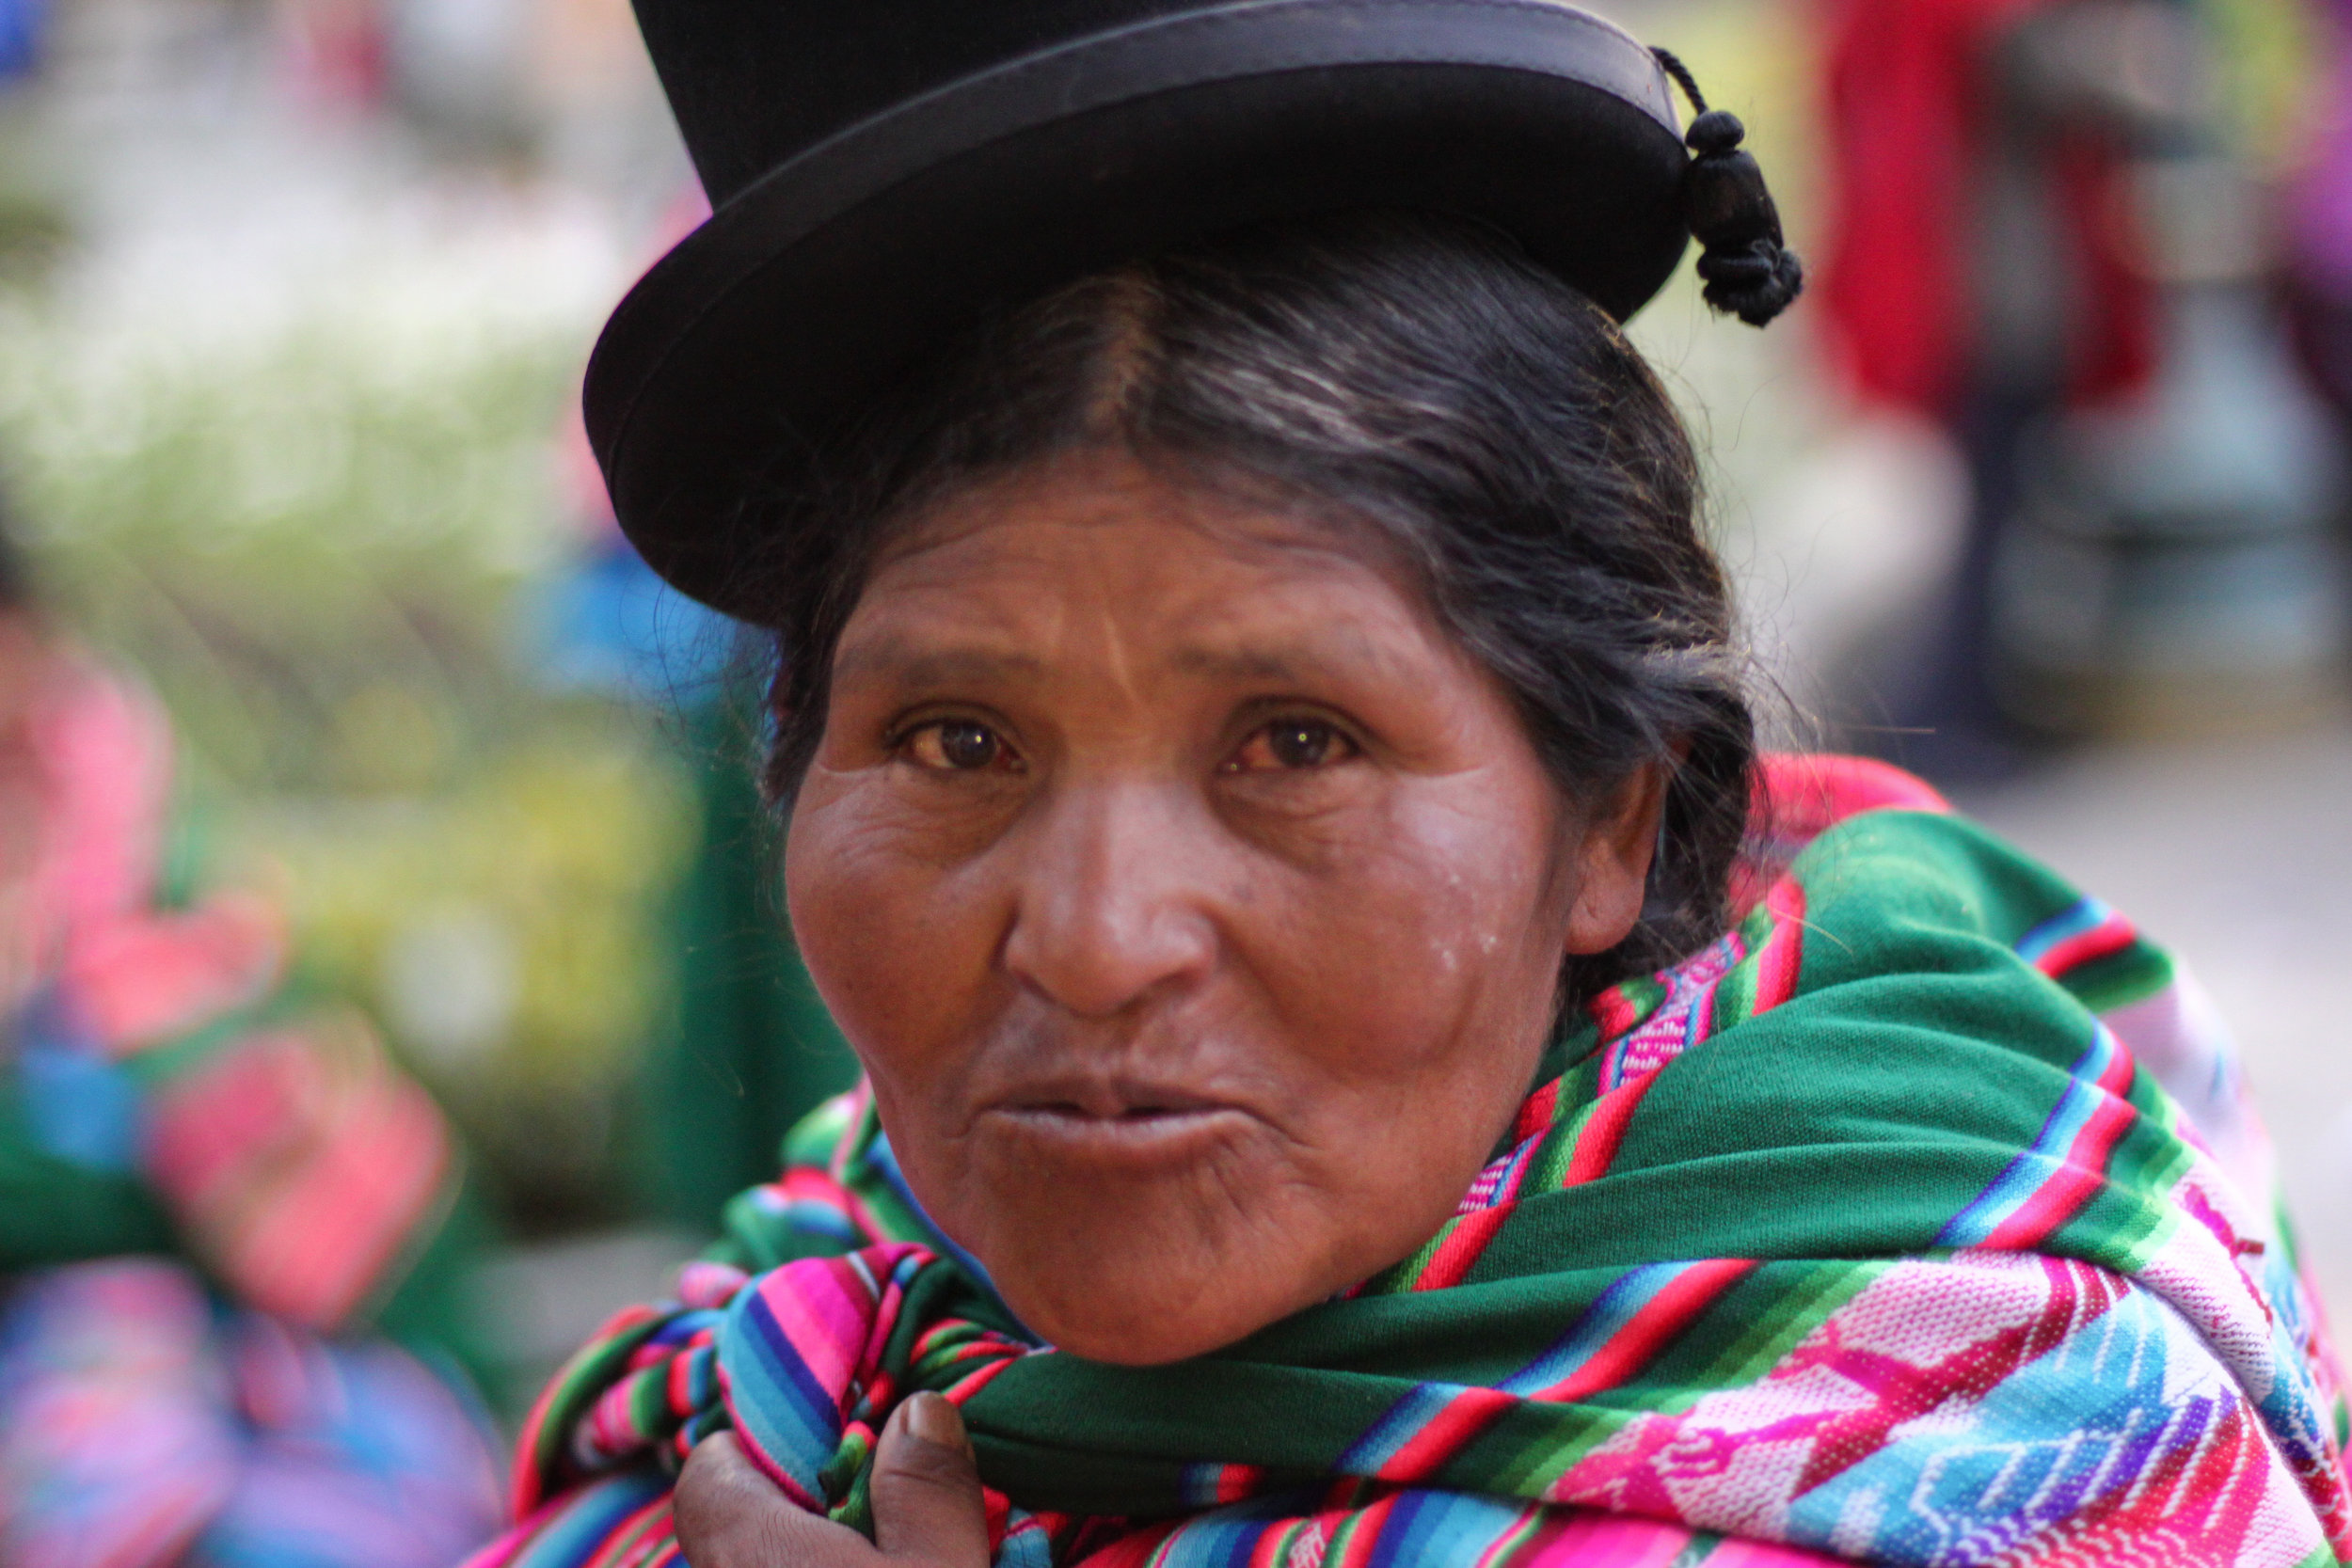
(1268, 783)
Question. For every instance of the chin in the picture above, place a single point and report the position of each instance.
(1129, 1245)
(1111, 1330)
(1134, 1295)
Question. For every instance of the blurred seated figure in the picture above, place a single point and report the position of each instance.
(2044, 244)
(218, 1199)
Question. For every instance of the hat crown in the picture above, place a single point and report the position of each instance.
(753, 82)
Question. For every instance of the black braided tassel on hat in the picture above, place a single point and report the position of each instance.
(1748, 269)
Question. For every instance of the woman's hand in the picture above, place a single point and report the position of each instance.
(927, 1512)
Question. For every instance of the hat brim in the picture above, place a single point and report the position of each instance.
(722, 373)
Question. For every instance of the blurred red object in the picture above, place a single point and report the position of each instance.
(1907, 104)
(340, 55)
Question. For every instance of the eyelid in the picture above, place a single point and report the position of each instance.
(913, 722)
(1345, 733)
(1259, 713)
(897, 736)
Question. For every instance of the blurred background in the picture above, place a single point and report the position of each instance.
(2043, 491)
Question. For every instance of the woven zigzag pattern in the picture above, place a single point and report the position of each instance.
(1871, 1233)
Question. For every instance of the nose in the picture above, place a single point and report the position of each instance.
(1112, 907)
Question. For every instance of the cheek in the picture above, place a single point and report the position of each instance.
(893, 939)
(1433, 935)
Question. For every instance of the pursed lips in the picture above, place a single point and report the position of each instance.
(1116, 1121)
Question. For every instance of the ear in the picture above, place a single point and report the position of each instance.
(1613, 861)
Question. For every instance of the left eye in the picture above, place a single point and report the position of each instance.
(958, 746)
(1293, 744)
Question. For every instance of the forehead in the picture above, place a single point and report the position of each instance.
(1103, 540)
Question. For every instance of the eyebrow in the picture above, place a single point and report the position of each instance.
(1348, 655)
(1221, 664)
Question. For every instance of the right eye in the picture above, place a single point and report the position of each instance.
(958, 746)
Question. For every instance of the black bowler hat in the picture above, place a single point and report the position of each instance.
(883, 172)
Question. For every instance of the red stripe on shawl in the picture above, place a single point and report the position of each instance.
(1604, 1133)
(645, 1539)
(2122, 1067)
(678, 1381)
(2111, 935)
(1133, 1551)
(527, 1494)
(1541, 1110)
(1363, 1534)
(1782, 955)
(963, 1389)
(2067, 1188)
(1649, 1330)
(997, 1509)
(1614, 1013)
(1237, 1482)
(1443, 1435)
(1271, 1549)
(1461, 1249)
(1662, 1317)
(1800, 795)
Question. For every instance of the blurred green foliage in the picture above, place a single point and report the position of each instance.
(308, 533)
(270, 527)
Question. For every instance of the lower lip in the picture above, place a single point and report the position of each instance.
(1149, 1139)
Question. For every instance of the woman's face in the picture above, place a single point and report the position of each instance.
(1193, 902)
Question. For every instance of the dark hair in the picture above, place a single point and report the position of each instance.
(1415, 377)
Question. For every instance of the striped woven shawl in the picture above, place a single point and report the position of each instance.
(1918, 1220)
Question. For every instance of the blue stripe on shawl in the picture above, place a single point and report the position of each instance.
(792, 1418)
(2087, 915)
(578, 1530)
(2024, 1174)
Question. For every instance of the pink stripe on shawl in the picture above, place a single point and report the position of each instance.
(825, 1307)
(1782, 956)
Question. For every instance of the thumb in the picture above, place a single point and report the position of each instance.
(927, 1488)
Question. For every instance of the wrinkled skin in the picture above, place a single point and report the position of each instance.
(1195, 905)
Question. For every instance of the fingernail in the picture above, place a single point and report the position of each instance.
(935, 1420)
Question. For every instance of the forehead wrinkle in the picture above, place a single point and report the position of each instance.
(1121, 669)
(1340, 651)
(907, 662)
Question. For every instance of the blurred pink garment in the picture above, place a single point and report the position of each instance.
(298, 1162)
(143, 1428)
(339, 51)
(222, 1407)
(2319, 201)
(103, 750)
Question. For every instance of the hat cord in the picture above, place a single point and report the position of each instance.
(1747, 267)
